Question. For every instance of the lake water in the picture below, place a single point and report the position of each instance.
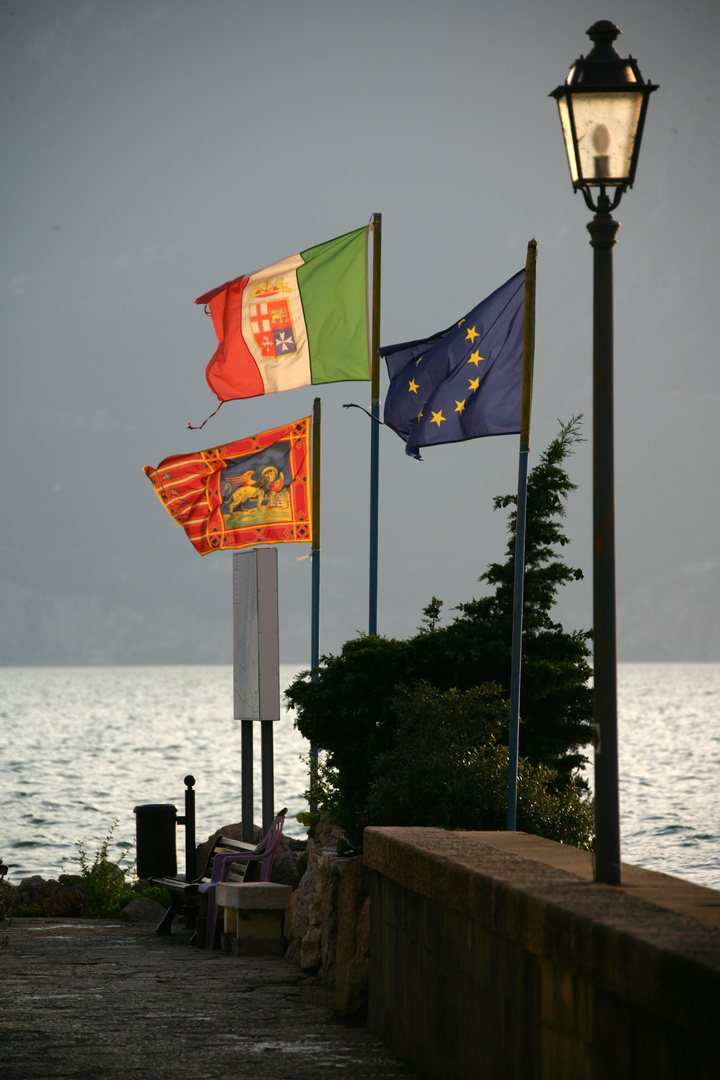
(82, 746)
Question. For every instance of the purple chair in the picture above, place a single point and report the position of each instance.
(235, 867)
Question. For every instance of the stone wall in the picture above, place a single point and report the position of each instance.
(487, 963)
(327, 920)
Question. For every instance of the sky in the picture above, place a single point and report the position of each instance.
(153, 150)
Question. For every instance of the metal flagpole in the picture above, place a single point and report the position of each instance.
(315, 617)
(516, 663)
(375, 427)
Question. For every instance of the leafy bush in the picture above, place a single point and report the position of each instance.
(102, 881)
(556, 703)
(448, 764)
(449, 769)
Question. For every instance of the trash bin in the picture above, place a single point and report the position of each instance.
(156, 836)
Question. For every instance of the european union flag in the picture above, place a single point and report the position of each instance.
(465, 382)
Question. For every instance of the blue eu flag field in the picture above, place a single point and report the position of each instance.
(465, 382)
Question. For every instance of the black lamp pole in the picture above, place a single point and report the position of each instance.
(602, 109)
(603, 230)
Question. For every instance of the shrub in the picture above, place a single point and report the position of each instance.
(102, 881)
(449, 769)
(435, 756)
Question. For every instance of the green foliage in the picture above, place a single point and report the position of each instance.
(309, 820)
(156, 893)
(403, 740)
(449, 769)
(55, 904)
(431, 616)
(102, 881)
(5, 900)
(441, 741)
(101, 889)
(556, 702)
(347, 712)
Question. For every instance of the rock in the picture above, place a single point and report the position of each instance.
(311, 915)
(327, 920)
(352, 954)
(29, 887)
(302, 915)
(141, 885)
(310, 950)
(284, 871)
(54, 897)
(142, 910)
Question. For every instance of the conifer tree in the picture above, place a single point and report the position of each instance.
(556, 701)
(351, 709)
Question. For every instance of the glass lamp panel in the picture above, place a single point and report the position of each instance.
(568, 136)
(606, 124)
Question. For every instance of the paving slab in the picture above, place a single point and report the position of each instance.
(82, 999)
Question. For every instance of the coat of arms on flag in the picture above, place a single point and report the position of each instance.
(254, 491)
(271, 319)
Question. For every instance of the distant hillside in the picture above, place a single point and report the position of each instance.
(675, 618)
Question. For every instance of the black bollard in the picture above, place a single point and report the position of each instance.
(190, 868)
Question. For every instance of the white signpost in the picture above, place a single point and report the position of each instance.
(256, 671)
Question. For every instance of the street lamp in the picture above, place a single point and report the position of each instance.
(602, 106)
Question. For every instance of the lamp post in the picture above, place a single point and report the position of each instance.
(602, 106)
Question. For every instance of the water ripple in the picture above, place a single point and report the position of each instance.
(83, 746)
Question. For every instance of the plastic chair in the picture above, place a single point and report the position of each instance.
(264, 854)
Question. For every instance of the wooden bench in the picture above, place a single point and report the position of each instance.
(229, 861)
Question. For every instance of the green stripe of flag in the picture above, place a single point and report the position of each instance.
(332, 285)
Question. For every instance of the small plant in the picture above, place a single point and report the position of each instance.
(5, 910)
(102, 881)
(5, 905)
(158, 894)
(307, 818)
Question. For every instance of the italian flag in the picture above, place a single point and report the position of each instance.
(299, 322)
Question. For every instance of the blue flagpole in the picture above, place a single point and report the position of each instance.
(375, 427)
(315, 609)
(519, 582)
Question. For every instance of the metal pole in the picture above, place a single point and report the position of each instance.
(516, 662)
(603, 229)
(375, 426)
(190, 870)
(246, 757)
(519, 582)
(267, 782)
(315, 607)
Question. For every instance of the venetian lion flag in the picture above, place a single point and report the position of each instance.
(299, 322)
(254, 491)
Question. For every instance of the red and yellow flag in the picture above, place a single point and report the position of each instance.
(255, 491)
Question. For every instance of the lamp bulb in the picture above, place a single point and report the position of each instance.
(601, 139)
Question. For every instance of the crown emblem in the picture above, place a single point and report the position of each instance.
(270, 287)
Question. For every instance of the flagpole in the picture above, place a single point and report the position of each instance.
(516, 663)
(315, 617)
(375, 426)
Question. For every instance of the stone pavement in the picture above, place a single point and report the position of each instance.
(88, 999)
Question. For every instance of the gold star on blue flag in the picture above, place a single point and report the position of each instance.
(465, 382)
